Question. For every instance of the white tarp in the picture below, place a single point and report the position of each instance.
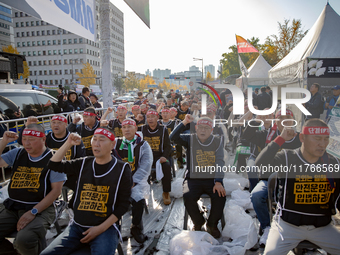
(321, 41)
(76, 16)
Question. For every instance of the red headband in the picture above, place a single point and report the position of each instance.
(61, 118)
(129, 122)
(31, 132)
(205, 122)
(165, 110)
(152, 112)
(288, 112)
(173, 109)
(315, 131)
(135, 107)
(121, 107)
(102, 131)
(89, 114)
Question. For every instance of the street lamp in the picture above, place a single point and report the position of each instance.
(200, 59)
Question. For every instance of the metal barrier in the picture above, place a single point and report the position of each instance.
(45, 120)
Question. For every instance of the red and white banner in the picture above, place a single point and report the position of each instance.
(243, 46)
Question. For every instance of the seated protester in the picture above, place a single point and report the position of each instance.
(104, 183)
(173, 113)
(183, 110)
(306, 201)
(116, 123)
(137, 116)
(175, 97)
(166, 121)
(32, 189)
(84, 99)
(158, 138)
(131, 148)
(262, 138)
(169, 102)
(205, 150)
(86, 129)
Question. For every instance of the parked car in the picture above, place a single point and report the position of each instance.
(123, 99)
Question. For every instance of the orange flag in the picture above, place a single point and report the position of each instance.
(243, 46)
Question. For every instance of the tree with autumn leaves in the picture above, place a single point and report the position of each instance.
(87, 76)
(275, 48)
(11, 49)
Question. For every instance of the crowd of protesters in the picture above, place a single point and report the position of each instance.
(110, 161)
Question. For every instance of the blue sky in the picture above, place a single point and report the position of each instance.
(183, 29)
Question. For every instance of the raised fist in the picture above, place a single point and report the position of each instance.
(31, 120)
(74, 139)
(104, 123)
(9, 137)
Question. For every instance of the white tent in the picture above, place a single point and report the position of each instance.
(316, 59)
(257, 74)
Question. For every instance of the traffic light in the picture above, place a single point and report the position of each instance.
(187, 78)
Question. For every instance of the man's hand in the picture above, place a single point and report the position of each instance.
(74, 139)
(288, 133)
(91, 234)
(104, 123)
(9, 137)
(109, 110)
(220, 190)
(31, 120)
(76, 119)
(162, 159)
(188, 119)
(26, 218)
(139, 117)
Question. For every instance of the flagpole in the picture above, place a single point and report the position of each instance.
(239, 63)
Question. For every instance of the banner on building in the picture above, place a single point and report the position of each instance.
(323, 68)
(76, 16)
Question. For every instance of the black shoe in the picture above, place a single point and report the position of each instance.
(197, 227)
(180, 164)
(137, 234)
(214, 232)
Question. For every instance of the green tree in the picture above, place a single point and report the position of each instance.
(118, 83)
(209, 77)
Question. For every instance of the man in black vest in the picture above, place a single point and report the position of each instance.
(32, 189)
(102, 196)
(85, 129)
(116, 123)
(133, 149)
(158, 138)
(183, 110)
(137, 115)
(204, 150)
(309, 195)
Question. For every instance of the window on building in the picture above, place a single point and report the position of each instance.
(28, 53)
(55, 62)
(76, 70)
(54, 52)
(43, 42)
(71, 61)
(22, 34)
(65, 61)
(22, 24)
(50, 62)
(56, 81)
(81, 50)
(43, 32)
(40, 72)
(46, 82)
(48, 32)
(42, 23)
(38, 43)
(39, 62)
(75, 51)
(54, 42)
(76, 61)
(59, 52)
(29, 63)
(56, 72)
(81, 61)
(34, 62)
(59, 42)
(45, 72)
(23, 44)
(44, 52)
(28, 44)
(66, 71)
(17, 24)
(21, 14)
(66, 81)
(18, 34)
(27, 33)
(64, 41)
(32, 23)
(37, 23)
(80, 40)
(75, 40)
(16, 14)
(48, 42)
(87, 51)
(65, 51)
(18, 44)
(39, 53)
(27, 24)
(38, 33)
(32, 33)
(69, 41)
(49, 52)
(44, 62)
(50, 72)
(33, 43)
(70, 51)
(53, 32)
(35, 72)
(60, 72)
(71, 71)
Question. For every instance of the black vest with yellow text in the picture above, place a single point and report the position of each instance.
(116, 126)
(155, 139)
(181, 114)
(86, 136)
(124, 154)
(54, 143)
(96, 195)
(170, 125)
(30, 182)
(203, 157)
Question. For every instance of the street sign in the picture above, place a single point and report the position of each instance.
(191, 83)
(77, 82)
(152, 85)
(171, 76)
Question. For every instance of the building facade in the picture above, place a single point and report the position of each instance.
(6, 26)
(210, 69)
(55, 55)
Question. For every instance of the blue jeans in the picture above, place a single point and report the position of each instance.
(69, 241)
(259, 197)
